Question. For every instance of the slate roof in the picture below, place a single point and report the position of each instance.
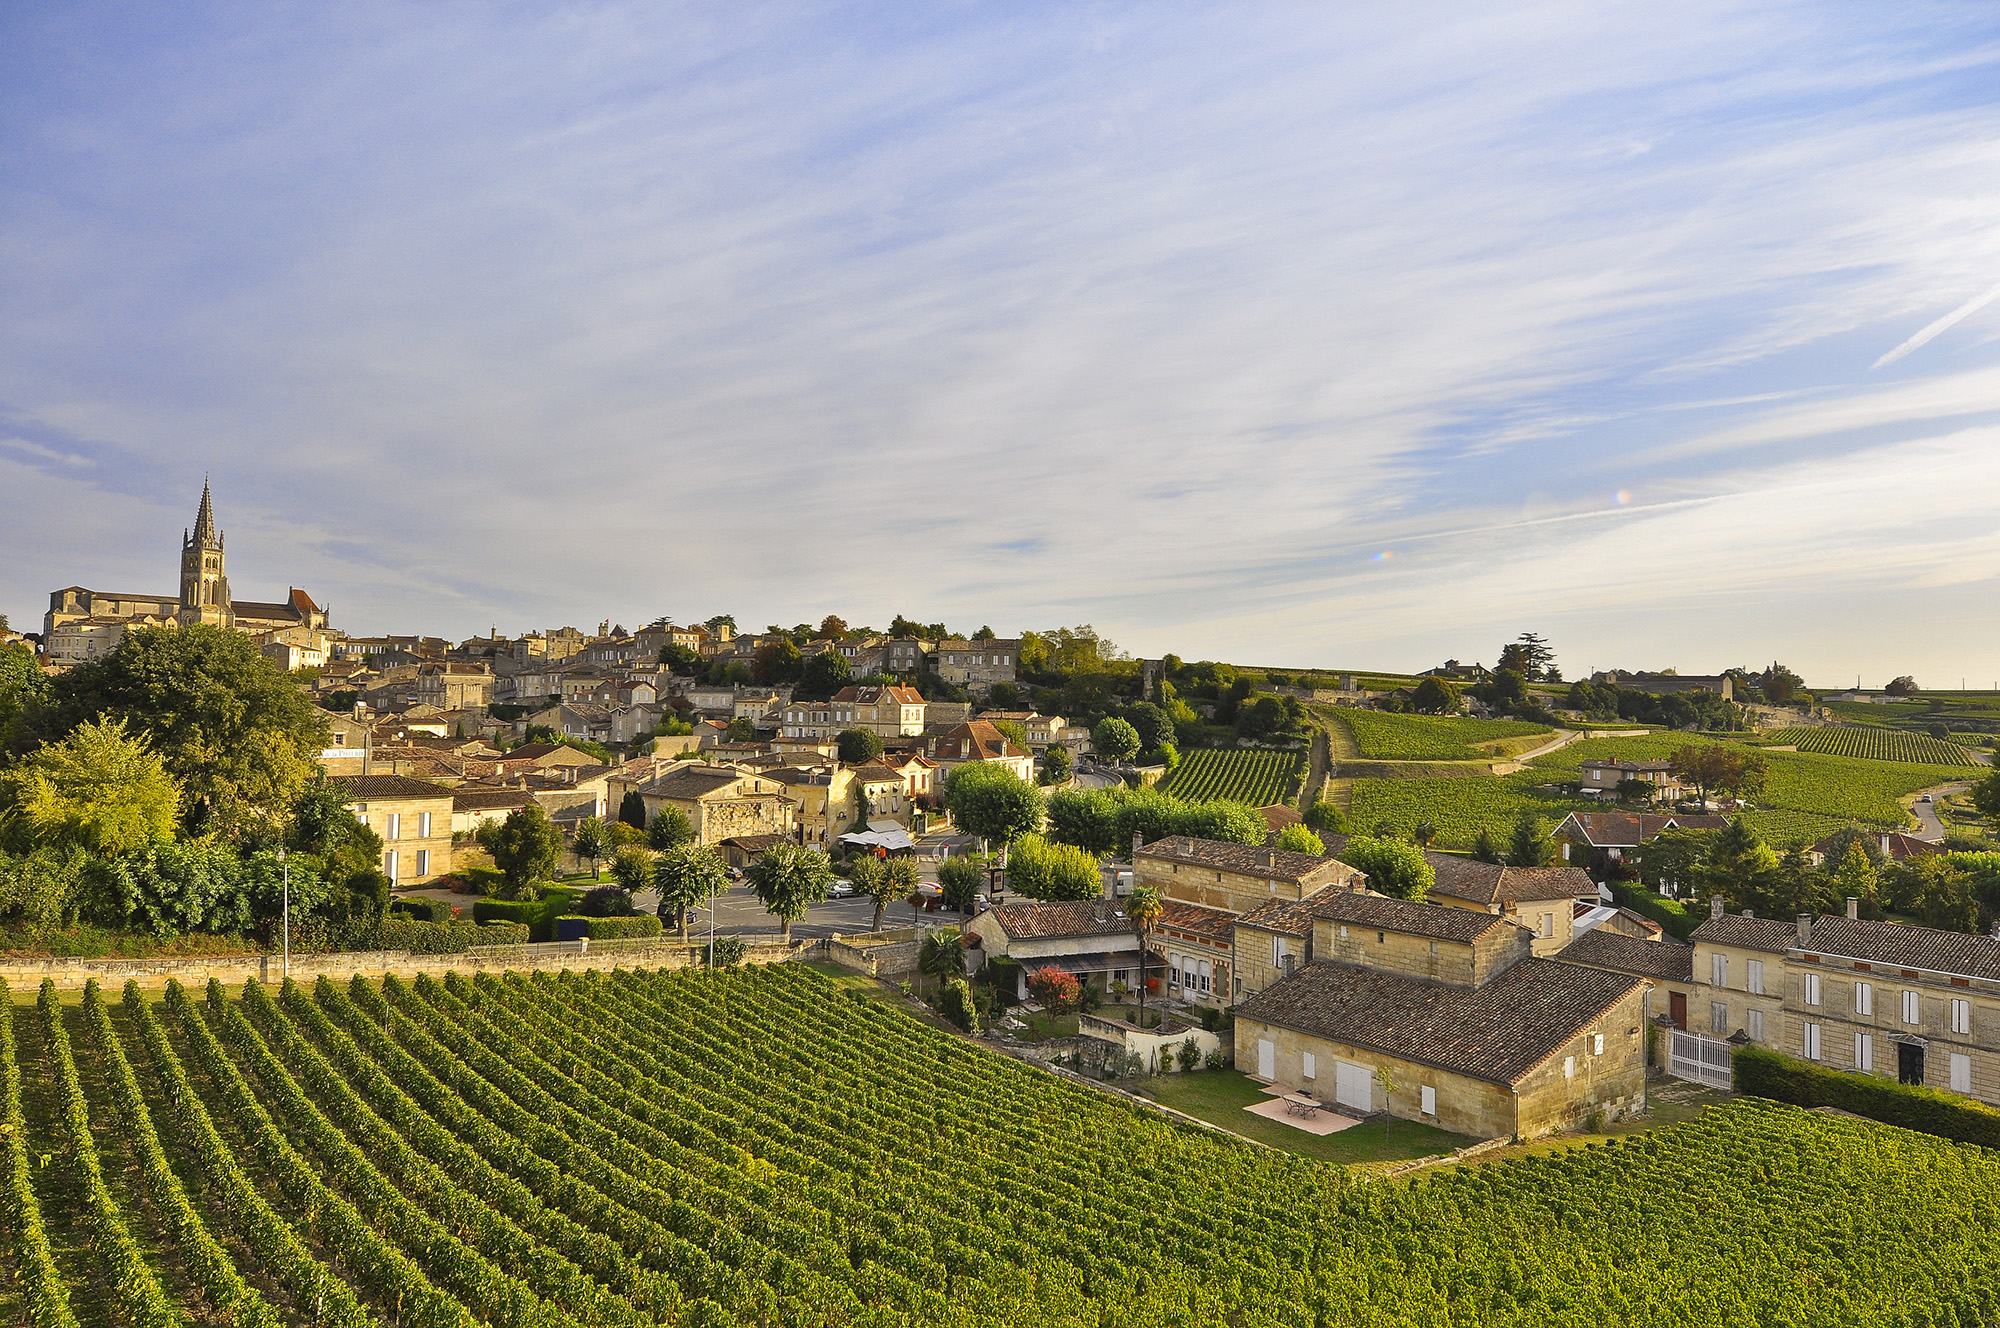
(360, 787)
(1048, 921)
(1434, 921)
(1670, 961)
(1244, 859)
(1766, 934)
(1497, 1032)
(1894, 944)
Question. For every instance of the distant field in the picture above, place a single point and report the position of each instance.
(1457, 808)
(1873, 744)
(1386, 737)
(1258, 778)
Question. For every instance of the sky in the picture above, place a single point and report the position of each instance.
(1336, 336)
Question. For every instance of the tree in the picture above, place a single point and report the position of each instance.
(1716, 767)
(870, 876)
(1634, 789)
(1986, 796)
(1055, 990)
(1326, 818)
(1057, 767)
(1041, 870)
(903, 876)
(1153, 725)
(776, 661)
(1392, 867)
(858, 745)
(1507, 689)
(525, 847)
(100, 789)
(1012, 730)
(1779, 684)
(832, 627)
(941, 957)
(1855, 877)
(22, 686)
(1528, 655)
(606, 901)
(788, 881)
(684, 660)
(1483, 848)
(1435, 696)
(632, 810)
(984, 634)
(670, 826)
(956, 1003)
(1903, 686)
(960, 881)
(236, 731)
(1425, 832)
(1738, 864)
(1144, 910)
(1673, 859)
(1935, 891)
(591, 841)
(991, 801)
(1301, 839)
(687, 875)
(823, 675)
(1115, 739)
(1263, 716)
(1386, 1081)
(1531, 845)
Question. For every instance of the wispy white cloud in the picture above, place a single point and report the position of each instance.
(1930, 330)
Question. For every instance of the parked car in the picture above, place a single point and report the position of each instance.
(840, 889)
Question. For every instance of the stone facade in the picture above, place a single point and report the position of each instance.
(414, 820)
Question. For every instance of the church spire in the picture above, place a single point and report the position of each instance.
(204, 521)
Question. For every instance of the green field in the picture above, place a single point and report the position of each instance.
(1872, 744)
(765, 1148)
(1260, 779)
(1458, 808)
(1381, 736)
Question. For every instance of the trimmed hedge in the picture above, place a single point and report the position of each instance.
(1767, 1074)
(638, 925)
(423, 910)
(503, 933)
(538, 915)
(448, 937)
(1680, 923)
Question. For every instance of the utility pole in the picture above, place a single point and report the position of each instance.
(285, 887)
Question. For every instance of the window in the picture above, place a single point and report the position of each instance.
(1206, 975)
(423, 825)
(1569, 1067)
(1718, 970)
(1718, 1016)
(389, 865)
(1913, 1008)
(1280, 948)
(1343, 931)
(1753, 981)
(1380, 939)
(423, 862)
(1434, 947)
(395, 826)
(1864, 998)
(1173, 972)
(1961, 1073)
(1812, 1042)
(1812, 989)
(1310, 1069)
(1597, 1044)
(1430, 1105)
(1961, 1016)
(1864, 1051)
(1547, 926)
(1757, 1025)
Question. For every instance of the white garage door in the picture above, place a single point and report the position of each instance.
(1267, 1059)
(1354, 1086)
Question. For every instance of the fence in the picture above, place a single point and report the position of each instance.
(1700, 1058)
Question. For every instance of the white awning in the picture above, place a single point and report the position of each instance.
(892, 841)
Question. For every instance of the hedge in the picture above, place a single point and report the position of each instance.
(1679, 923)
(423, 910)
(617, 929)
(1767, 1074)
(538, 914)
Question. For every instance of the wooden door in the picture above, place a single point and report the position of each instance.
(1677, 1008)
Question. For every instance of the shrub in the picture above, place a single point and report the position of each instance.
(423, 910)
(538, 915)
(606, 901)
(1042, 870)
(486, 880)
(958, 1005)
(427, 937)
(1055, 990)
(1215, 1060)
(502, 933)
(635, 926)
(960, 880)
(1933, 1111)
(729, 951)
(1190, 1055)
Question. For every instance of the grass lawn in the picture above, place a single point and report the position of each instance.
(1219, 1096)
(1043, 1026)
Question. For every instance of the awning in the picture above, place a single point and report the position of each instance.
(891, 841)
(1104, 961)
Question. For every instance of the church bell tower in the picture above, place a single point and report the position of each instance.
(204, 587)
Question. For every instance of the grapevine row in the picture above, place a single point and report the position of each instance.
(48, 1296)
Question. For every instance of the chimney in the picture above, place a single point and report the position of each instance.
(1885, 846)
(1853, 907)
(1748, 914)
(1291, 964)
(1715, 906)
(1271, 858)
(1805, 931)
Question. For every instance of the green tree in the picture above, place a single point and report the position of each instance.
(687, 876)
(823, 675)
(1057, 768)
(591, 841)
(858, 745)
(1153, 725)
(1326, 818)
(1506, 690)
(870, 876)
(1087, 818)
(1528, 655)
(1738, 865)
(1144, 910)
(236, 731)
(1301, 839)
(1986, 796)
(1114, 739)
(525, 848)
(904, 876)
(1855, 876)
(23, 686)
(632, 810)
(1012, 730)
(1718, 768)
(1041, 870)
(1435, 696)
(776, 661)
(633, 868)
(100, 789)
(1392, 866)
(741, 729)
(1483, 848)
(789, 880)
(991, 801)
(960, 881)
(670, 826)
(1531, 845)
(941, 957)
(1425, 832)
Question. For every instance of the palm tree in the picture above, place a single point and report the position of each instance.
(1143, 909)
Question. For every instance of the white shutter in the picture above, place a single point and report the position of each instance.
(389, 865)
(1430, 1107)
(1597, 1044)
(1754, 981)
(1267, 1059)
(1864, 1052)
(1311, 1067)
(1812, 1042)
(423, 862)
(1864, 998)
(423, 825)
(1718, 966)
(1961, 1016)
(395, 828)
(1913, 1008)
(1961, 1073)
(1756, 1025)
(1812, 989)
(1569, 1067)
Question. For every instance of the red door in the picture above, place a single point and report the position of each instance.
(1677, 1005)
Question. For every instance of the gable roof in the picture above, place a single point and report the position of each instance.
(1895, 845)
(1434, 921)
(1490, 883)
(1048, 921)
(1273, 864)
(1766, 934)
(1286, 917)
(974, 740)
(1670, 961)
(1627, 829)
(465, 799)
(1902, 946)
(360, 787)
(692, 782)
(877, 695)
(1196, 922)
(1497, 1032)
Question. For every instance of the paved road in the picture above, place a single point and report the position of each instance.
(1929, 826)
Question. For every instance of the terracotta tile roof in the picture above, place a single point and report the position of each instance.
(1901, 946)
(1047, 921)
(361, 787)
(691, 782)
(1244, 859)
(1897, 847)
(974, 740)
(1434, 921)
(1287, 917)
(1496, 1032)
(1214, 925)
(486, 800)
(877, 695)
(1616, 829)
(1766, 934)
(1669, 961)
(1489, 883)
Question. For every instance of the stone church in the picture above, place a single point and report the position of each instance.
(82, 623)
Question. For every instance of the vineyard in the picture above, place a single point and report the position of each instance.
(1872, 744)
(1260, 779)
(1381, 736)
(1458, 808)
(761, 1148)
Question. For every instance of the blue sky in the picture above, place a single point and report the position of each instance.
(1290, 335)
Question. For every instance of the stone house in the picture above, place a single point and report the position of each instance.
(1667, 964)
(722, 802)
(1878, 998)
(474, 805)
(1538, 898)
(1599, 841)
(976, 740)
(1090, 938)
(1600, 779)
(977, 664)
(887, 712)
(1042, 730)
(413, 818)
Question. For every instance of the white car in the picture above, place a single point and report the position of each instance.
(840, 889)
(1925, 798)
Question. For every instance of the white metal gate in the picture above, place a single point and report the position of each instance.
(1354, 1086)
(1700, 1058)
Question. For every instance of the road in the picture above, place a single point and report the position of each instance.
(1929, 826)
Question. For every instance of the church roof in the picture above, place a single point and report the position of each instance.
(204, 521)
